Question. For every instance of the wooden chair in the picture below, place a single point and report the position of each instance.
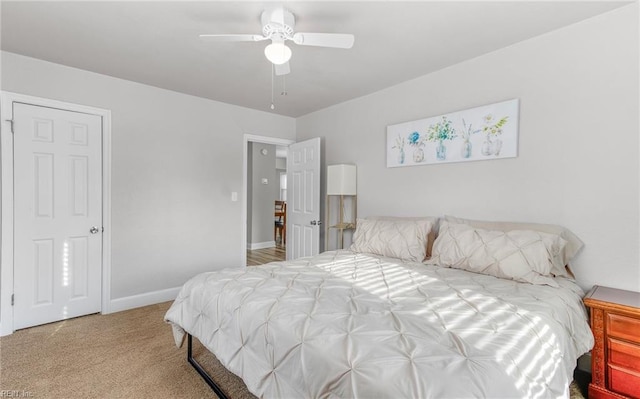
(280, 225)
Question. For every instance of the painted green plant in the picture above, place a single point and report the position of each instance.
(492, 128)
(441, 131)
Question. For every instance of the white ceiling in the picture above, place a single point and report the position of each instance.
(157, 43)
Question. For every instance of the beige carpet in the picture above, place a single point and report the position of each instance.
(122, 355)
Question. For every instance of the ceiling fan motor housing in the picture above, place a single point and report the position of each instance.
(277, 24)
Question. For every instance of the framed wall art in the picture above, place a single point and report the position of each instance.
(475, 134)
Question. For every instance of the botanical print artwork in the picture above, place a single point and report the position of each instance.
(481, 133)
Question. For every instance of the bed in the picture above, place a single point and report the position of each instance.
(360, 323)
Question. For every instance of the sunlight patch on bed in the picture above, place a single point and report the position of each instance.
(527, 362)
(467, 312)
(396, 279)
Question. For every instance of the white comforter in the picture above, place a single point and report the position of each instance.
(343, 324)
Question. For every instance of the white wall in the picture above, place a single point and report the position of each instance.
(175, 161)
(578, 151)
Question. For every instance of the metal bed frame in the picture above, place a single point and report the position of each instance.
(206, 377)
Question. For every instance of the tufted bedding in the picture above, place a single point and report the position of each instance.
(345, 324)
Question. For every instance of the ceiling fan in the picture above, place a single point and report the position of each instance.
(277, 26)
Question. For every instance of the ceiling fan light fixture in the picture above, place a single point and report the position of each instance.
(278, 53)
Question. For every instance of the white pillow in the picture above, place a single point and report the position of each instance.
(430, 237)
(574, 244)
(520, 255)
(403, 239)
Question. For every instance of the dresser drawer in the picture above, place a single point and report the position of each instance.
(624, 355)
(623, 327)
(623, 381)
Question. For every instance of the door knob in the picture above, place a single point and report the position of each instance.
(316, 222)
(94, 230)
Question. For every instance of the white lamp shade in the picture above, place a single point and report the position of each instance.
(278, 53)
(341, 180)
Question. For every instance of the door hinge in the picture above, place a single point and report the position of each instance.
(13, 297)
(11, 123)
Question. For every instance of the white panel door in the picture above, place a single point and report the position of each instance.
(57, 214)
(303, 199)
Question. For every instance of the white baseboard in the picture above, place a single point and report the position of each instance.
(261, 245)
(148, 298)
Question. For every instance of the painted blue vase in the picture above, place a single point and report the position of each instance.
(441, 151)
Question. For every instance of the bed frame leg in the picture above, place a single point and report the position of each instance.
(201, 371)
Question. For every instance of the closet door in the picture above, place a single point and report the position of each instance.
(57, 214)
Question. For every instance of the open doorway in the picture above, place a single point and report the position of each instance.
(265, 207)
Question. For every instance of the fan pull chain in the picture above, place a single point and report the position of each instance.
(272, 73)
(284, 85)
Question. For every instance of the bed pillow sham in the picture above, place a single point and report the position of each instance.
(573, 246)
(432, 233)
(520, 255)
(403, 239)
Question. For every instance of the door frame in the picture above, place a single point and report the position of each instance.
(6, 209)
(245, 178)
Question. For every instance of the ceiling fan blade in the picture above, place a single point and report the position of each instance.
(232, 38)
(337, 40)
(282, 69)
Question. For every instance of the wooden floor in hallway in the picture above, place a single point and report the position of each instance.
(266, 255)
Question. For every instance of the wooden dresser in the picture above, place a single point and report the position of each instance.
(615, 358)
